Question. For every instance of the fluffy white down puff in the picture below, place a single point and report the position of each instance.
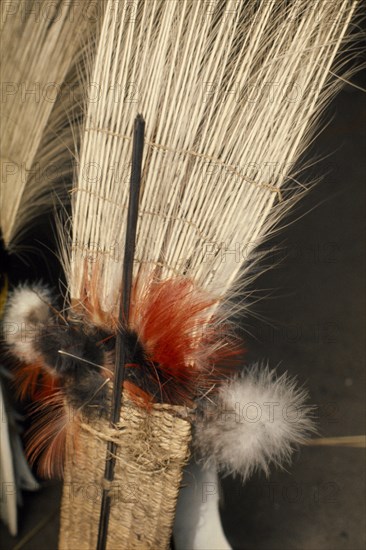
(257, 419)
(27, 310)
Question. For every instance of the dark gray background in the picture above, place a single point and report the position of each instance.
(318, 311)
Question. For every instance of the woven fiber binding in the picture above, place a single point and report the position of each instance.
(153, 447)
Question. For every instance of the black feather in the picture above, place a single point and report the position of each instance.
(81, 363)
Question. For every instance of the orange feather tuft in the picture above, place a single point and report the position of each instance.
(47, 435)
(26, 379)
(45, 440)
(182, 339)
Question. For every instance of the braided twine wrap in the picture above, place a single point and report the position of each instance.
(153, 447)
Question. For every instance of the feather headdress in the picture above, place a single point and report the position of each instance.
(231, 97)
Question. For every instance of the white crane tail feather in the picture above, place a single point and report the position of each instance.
(40, 44)
(215, 158)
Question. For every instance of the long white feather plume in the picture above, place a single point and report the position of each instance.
(39, 46)
(231, 93)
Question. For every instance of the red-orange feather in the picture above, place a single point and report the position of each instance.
(186, 356)
(45, 440)
(173, 322)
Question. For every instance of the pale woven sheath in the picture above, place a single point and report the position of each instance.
(153, 447)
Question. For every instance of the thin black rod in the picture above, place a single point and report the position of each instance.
(120, 360)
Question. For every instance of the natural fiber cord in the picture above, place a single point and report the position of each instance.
(153, 449)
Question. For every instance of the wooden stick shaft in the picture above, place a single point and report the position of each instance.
(120, 360)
